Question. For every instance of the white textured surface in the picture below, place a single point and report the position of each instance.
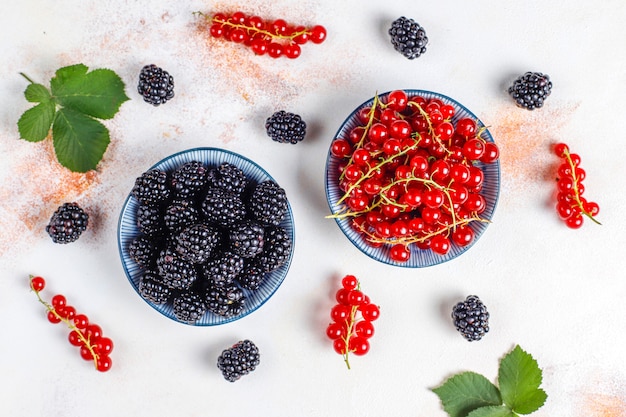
(558, 293)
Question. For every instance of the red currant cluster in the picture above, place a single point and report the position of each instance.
(275, 38)
(410, 174)
(352, 318)
(571, 205)
(83, 334)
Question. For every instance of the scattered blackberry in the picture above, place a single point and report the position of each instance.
(176, 272)
(156, 86)
(196, 242)
(408, 37)
(223, 268)
(179, 214)
(530, 90)
(229, 177)
(251, 277)
(67, 223)
(149, 221)
(189, 178)
(188, 307)
(471, 318)
(143, 250)
(151, 187)
(240, 359)
(152, 288)
(222, 207)
(268, 203)
(285, 127)
(225, 300)
(246, 239)
(276, 251)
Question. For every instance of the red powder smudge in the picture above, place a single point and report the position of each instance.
(603, 405)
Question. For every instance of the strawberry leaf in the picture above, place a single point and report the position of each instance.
(519, 378)
(34, 124)
(79, 140)
(465, 392)
(492, 411)
(37, 93)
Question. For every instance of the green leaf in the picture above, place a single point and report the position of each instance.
(465, 392)
(492, 411)
(34, 124)
(79, 140)
(37, 93)
(98, 93)
(519, 378)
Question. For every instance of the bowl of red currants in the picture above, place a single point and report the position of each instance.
(206, 236)
(412, 178)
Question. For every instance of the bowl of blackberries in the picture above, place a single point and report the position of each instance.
(206, 236)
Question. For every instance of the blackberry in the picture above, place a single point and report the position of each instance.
(471, 318)
(268, 203)
(225, 300)
(276, 251)
(229, 177)
(188, 307)
(188, 179)
(223, 268)
(67, 223)
(156, 86)
(149, 221)
(408, 37)
(530, 90)
(152, 288)
(239, 360)
(251, 277)
(196, 242)
(285, 127)
(143, 250)
(223, 207)
(179, 214)
(246, 239)
(151, 187)
(176, 272)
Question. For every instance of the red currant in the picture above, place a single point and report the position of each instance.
(318, 34)
(335, 330)
(370, 312)
(37, 284)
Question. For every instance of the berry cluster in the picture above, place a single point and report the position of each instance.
(471, 318)
(240, 359)
(67, 223)
(411, 175)
(209, 236)
(275, 38)
(352, 317)
(571, 206)
(86, 335)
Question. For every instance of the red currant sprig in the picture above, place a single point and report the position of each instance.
(352, 317)
(275, 38)
(87, 336)
(571, 206)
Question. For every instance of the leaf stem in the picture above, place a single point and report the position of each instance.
(27, 78)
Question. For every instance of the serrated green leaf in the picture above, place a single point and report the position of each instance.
(79, 140)
(34, 124)
(519, 378)
(98, 93)
(493, 411)
(37, 93)
(466, 392)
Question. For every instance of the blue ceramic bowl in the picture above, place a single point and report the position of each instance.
(127, 231)
(419, 258)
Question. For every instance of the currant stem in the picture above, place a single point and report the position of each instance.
(350, 329)
(579, 203)
(252, 29)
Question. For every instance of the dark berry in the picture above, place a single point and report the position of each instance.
(251, 277)
(530, 90)
(196, 242)
(176, 272)
(156, 86)
(179, 214)
(67, 223)
(225, 300)
(143, 250)
(246, 239)
(229, 177)
(189, 179)
(285, 127)
(223, 207)
(239, 360)
(223, 268)
(188, 307)
(408, 37)
(150, 221)
(471, 318)
(268, 203)
(151, 187)
(152, 288)
(276, 251)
